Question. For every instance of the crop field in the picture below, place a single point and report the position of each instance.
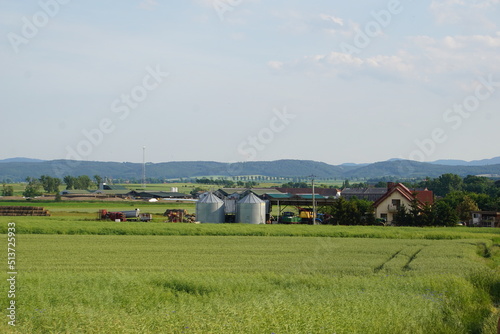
(79, 275)
(76, 275)
(183, 187)
(89, 209)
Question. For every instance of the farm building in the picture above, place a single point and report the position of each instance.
(370, 194)
(242, 192)
(396, 195)
(104, 186)
(158, 194)
(76, 193)
(251, 210)
(231, 196)
(485, 218)
(210, 209)
(122, 193)
(324, 192)
(283, 201)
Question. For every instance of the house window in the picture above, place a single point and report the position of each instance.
(383, 216)
(396, 203)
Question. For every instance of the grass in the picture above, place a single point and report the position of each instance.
(78, 275)
(237, 284)
(185, 187)
(77, 225)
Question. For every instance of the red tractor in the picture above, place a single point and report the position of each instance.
(114, 216)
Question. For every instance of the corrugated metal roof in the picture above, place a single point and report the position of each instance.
(251, 198)
(160, 194)
(279, 196)
(364, 191)
(307, 196)
(258, 191)
(112, 192)
(73, 192)
(317, 190)
(114, 187)
(211, 198)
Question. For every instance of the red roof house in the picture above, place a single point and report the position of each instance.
(397, 195)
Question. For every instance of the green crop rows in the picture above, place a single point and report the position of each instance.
(79, 275)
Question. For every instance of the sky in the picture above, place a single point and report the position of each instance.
(250, 80)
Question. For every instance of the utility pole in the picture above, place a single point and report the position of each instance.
(313, 199)
(144, 167)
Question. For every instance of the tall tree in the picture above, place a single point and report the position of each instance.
(447, 183)
(477, 184)
(50, 184)
(7, 190)
(83, 182)
(402, 217)
(69, 181)
(351, 212)
(98, 180)
(427, 216)
(444, 213)
(465, 207)
(33, 188)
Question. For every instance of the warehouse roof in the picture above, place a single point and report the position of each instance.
(309, 196)
(159, 194)
(278, 196)
(114, 187)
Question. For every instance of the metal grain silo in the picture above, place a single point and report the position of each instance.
(210, 209)
(251, 210)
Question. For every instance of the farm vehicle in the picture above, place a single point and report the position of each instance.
(123, 216)
(179, 216)
(305, 217)
(289, 218)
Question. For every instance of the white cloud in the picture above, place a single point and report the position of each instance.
(338, 63)
(484, 3)
(424, 58)
(333, 19)
(474, 13)
(275, 65)
(296, 22)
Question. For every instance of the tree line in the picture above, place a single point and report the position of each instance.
(444, 212)
(50, 185)
(455, 197)
(226, 183)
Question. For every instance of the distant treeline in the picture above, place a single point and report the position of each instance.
(292, 170)
(227, 183)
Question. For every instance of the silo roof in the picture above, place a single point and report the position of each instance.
(211, 198)
(250, 199)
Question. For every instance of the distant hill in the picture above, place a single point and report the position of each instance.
(351, 164)
(483, 162)
(16, 171)
(20, 160)
(58, 168)
(412, 169)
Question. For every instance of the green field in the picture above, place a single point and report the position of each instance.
(185, 187)
(77, 275)
(89, 209)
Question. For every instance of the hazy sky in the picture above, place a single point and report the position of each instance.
(239, 80)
